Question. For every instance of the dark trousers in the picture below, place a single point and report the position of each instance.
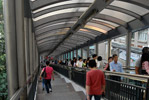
(97, 97)
(48, 84)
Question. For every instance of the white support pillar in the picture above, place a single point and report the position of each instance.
(27, 58)
(11, 47)
(77, 53)
(96, 48)
(87, 51)
(82, 53)
(128, 51)
(31, 46)
(109, 47)
(19, 6)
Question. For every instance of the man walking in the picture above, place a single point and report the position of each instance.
(95, 82)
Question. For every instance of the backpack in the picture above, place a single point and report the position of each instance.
(44, 74)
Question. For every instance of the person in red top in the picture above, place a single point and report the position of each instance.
(95, 82)
(49, 75)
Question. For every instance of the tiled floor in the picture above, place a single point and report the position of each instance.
(61, 91)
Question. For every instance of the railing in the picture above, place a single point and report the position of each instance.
(129, 86)
(32, 79)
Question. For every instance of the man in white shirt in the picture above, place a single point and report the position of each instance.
(79, 62)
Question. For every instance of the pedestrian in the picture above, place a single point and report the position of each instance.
(138, 66)
(95, 82)
(145, 64)
(79, 62)
(87, 62)
(107, 67)
(99, 62)
(116, 66)
(84, 63)
(49, 74)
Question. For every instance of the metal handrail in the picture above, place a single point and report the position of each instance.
(127, 75)
(18, 93)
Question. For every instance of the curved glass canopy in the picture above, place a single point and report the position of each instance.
(53, 20)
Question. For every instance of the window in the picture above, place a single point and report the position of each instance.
(92, 50)
(85, 53)
(139, 40)
(79, 53)
(119, 47)
(142, 35)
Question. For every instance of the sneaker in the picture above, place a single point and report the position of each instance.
(50, 90)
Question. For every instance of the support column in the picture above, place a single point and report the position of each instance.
(87, 51)
(82, 53)
(77, 53)
(19, 6)
(27, 59)
(11, 46)
(148, 38)
(128, 51)
(73, 53)
(109, 47)
(97, 49)
(30, 46)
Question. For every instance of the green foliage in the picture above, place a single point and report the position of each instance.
(3, 75)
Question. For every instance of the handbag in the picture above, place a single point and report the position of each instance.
(44, 74)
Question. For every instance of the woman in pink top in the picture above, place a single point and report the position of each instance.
(145, 64)
(49, 75)
(108, 64)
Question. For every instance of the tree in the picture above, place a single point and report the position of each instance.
(3, 75)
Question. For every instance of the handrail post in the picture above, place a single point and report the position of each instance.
(147, 90)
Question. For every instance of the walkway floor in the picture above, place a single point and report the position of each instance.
(61, 91)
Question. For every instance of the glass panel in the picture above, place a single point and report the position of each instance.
(112, 24)
(134, 8)
(95, 28)
(63, 3)
(117, 14)
(92, 50)
(75, 53)
(70, 10)
(139, 40)
(71, 55)
(64, 56)
(119, 47)
(99, 26)
(85, 53)
(61, 23)
(103, 51)
(68, 55)
(79, 53)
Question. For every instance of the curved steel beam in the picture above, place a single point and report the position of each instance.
(66, 6)
(55, 22)
(41, 3)
(122, 10)
(54, 27)
(141, 3)
(56, 17)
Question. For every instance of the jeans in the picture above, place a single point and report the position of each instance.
(43, 83)
(97, 97)
(48, 85)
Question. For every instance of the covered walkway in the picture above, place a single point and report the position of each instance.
(58, 28)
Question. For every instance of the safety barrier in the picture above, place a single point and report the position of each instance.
(123, 89)
(32, 80)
